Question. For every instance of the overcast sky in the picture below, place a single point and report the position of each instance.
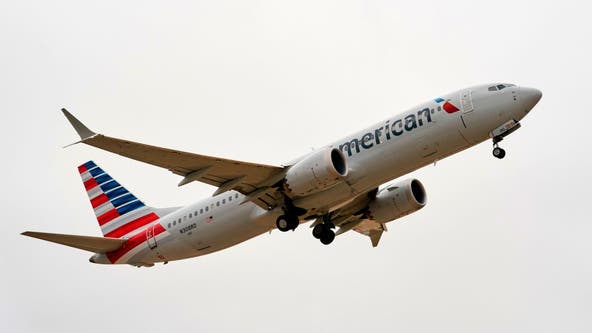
(502, 246)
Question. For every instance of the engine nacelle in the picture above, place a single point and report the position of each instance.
(398, 200)
(316, 172)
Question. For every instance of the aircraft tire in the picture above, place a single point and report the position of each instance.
(327, 236)
(499, 152)
(293, 222)
(282, 223)
(317, 231)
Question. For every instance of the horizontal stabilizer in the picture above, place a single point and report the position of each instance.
(87, 243)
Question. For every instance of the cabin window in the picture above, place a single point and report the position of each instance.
(201, 210)
(223, 201)
(218, 204)
(230, 198)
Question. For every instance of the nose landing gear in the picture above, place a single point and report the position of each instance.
(498, 135)
(498, 152)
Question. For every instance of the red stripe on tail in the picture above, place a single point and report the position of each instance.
(108, 216)
(82, 169)
(90, 184)
(132, 243)
(132, 225)
(99, 200)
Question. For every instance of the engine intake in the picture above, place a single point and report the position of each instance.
(318, 171)
(398, 200)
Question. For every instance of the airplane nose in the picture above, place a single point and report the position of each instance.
(530, 97)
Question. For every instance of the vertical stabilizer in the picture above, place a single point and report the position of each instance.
(119, 212)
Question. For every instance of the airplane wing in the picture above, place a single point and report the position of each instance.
(253, 180)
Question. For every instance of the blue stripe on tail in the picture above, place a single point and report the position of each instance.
(116, 192)
(130, 207)
(123, 200)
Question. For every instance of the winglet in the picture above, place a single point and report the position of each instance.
(81, 129)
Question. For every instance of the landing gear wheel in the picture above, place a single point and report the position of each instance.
(499, 152)
(286, 222)
(293, 222)
(317, 231)
(327, 236)
(282, 223)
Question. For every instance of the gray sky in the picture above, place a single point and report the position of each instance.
(501, 246)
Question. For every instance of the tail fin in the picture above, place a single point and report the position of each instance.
(119, 213)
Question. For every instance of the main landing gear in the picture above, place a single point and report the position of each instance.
(324, 233)
(500, 133)
(287, 222)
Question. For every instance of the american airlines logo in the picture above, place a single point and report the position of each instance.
(389, 131)
(395, 128)
(448, 107)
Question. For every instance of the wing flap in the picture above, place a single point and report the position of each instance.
(87, 243)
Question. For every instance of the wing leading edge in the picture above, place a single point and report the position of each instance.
(251, 179)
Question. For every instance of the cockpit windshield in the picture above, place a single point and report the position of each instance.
(500, 86)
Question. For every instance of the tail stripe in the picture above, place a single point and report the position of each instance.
(90, 184)
(123, 199)
(109, 186)
(108, 216)
(133, 225)
(86, 166)
(102, 209)
(130, 207)
(96, 171)
(119, 221)
(99, 200)
(133, 242)
(116, 192)
(103, 178)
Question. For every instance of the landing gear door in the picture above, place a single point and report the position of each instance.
(150, 238)
(466, 101)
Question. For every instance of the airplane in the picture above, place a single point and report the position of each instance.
(338, 187)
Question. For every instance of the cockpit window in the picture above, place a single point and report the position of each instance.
(500, 86)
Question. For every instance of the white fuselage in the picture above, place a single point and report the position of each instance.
(375, 155)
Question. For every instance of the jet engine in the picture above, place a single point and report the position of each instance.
(316, 172)
(398, 200)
